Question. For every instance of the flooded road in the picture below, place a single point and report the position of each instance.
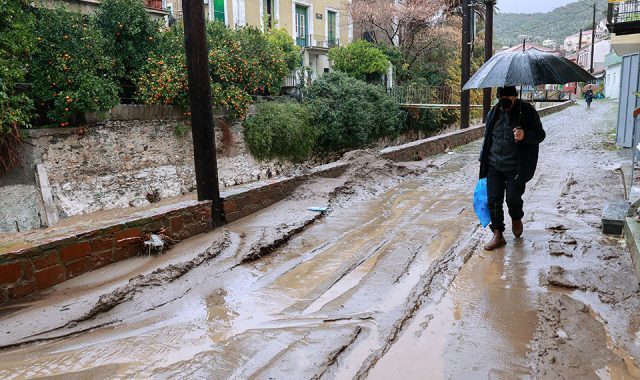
(391, 283)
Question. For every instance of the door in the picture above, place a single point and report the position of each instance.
(331, 25)
(218, 10)
(301, 26)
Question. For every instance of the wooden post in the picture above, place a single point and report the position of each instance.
(488, 53)
(202, 127)
(466, 64)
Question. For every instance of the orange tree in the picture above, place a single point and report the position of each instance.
(17, 37)
(70, 72)
(242, 63)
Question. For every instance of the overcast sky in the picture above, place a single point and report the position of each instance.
(529, 6)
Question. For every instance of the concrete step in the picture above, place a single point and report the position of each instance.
(614, 214)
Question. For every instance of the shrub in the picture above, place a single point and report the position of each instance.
(350, 113)
(429, 120)
(70, 74)
(359, 59)
(242, 63)
(280, 130)
(245, 59)
(280, 37)
(17, 36)
(129, 34)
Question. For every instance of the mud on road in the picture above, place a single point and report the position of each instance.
(390, 283)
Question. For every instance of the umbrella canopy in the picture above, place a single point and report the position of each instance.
(530, 67)
(590, 86)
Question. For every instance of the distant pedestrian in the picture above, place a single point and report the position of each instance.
(588, 97)
(508, 160)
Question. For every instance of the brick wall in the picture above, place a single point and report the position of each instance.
(245, 200)
(26, 270)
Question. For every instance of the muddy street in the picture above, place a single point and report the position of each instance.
(391, 282)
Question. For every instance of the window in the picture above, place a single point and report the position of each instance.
(331, 25)
(218, 10)
(301, 25)
(267, 12)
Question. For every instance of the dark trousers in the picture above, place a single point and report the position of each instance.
(499, 183)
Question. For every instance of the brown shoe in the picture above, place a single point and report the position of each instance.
(496, 242)
(516, 227)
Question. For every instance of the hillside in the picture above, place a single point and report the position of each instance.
(557, 24)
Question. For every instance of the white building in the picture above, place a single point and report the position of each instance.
(613, 72)
(600, 50)
(572, 42)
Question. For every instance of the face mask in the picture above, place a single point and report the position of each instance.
(505, 103)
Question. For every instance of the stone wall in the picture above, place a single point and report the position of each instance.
(114, 164)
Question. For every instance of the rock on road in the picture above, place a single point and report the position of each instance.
(391, 283)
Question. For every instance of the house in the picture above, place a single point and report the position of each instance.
(315, 25)
(613, 72)
(623, 22)
(572, 42)
(157, 9)
(600, 51)
(529, 46)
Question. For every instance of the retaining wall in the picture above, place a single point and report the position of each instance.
(29, 267)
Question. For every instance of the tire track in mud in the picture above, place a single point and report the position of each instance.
(159, 277)
(437, 279)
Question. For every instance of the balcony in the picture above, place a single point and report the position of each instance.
(317, 41)
(623, 17)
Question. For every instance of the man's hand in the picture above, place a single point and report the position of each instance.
(518, 134)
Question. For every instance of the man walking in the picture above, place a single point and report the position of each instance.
(508, 159)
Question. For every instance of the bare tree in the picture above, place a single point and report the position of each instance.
(415, 27)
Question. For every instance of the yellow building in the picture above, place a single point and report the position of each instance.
(315, 25)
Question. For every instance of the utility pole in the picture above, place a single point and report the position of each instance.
(488, 52)
(466, 64)
(593, 37)
(580, 42)
(202, 127)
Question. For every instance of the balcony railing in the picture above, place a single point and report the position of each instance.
(624, 17)
(315, 40)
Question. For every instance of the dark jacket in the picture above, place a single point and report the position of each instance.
(524, 115)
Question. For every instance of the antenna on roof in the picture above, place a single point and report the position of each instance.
(524, 44)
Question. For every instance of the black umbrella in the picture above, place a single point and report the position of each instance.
(527, 67)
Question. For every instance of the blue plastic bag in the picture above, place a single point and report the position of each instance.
(481, 203)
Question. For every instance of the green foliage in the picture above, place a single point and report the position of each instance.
(17, 38)
(430, 121)
(129, 33)
(242, 63)
(280, 130)
(359, 59)
(181, 130)
(71, 74)
(557, 24)
(281, 38)
(350, 113)
(164, 77)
